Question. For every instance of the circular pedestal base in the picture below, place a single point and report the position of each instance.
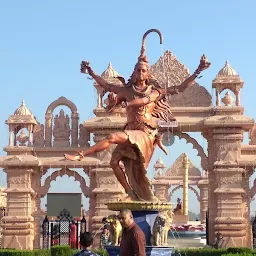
(139, 206)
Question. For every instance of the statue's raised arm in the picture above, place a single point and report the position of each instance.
(86, 69)
(204, 64)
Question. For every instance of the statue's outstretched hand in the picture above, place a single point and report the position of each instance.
(204, 64)
(86, 69)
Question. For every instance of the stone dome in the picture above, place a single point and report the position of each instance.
(22, 110)
(227, 70)
(109, 72)
(159, 164)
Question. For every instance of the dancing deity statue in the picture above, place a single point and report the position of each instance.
(146, 104)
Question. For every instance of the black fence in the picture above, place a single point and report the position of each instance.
(62, 231)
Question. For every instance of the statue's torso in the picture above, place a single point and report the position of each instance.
(139, 114)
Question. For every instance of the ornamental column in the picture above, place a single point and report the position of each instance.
(18, 227)
(203, 186)
(74, 129)
(186, 164)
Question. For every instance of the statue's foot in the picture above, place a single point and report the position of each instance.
(73, 157)
(131, 196)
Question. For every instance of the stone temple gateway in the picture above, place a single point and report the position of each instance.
(35, 147)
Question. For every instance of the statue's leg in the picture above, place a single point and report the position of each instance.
(119, 173)
(114, 138)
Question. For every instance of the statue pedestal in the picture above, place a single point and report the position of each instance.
(145, 220)
(144, 214)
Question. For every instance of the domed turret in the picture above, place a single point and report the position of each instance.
(227, 78)
(227, 70)
(22, 110)
(109, 72)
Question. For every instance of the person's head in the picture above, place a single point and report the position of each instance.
(178, 200)
(126, 218)
(86, 239)
(105, 231)
(104, 220)
(141, 71)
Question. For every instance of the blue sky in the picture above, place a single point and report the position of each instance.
(43, 42)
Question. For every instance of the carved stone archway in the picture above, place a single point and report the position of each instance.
(60, 173)
(180, 186)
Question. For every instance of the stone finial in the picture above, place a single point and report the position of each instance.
(227, 71)
(185, 158)
(227, 99)
(159, 164)
(109, 72)
(22, 110)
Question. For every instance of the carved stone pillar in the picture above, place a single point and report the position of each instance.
(74, 129)
(203, 186)
(11, 139)
(48, 129)
(36, 209)
(212, 185)
(217, 98)
(237, 93)
(230, 214)
(18, 227)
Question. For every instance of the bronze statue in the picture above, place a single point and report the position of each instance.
(145, 104)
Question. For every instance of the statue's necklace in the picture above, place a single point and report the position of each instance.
(142, 92)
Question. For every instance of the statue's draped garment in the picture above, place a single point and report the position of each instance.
(137, 151)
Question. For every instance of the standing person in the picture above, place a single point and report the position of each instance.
(104, 238)
(73, 237)
(86, 241)
(133, 239)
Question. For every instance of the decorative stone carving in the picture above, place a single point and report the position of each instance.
(84, 136)
(231, 179)
(227, 100)
(38, 135)
(227, 118)
(252, 135)
(22, 138)
(107, 180)
(61, 130)
(177, 168)
(169, 72)
(21, 179)
(14, 243)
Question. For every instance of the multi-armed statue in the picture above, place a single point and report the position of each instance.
(145, 103)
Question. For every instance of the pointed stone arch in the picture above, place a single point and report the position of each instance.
(180, 186)
(196, 146)
(85, 189)
(61, 101)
